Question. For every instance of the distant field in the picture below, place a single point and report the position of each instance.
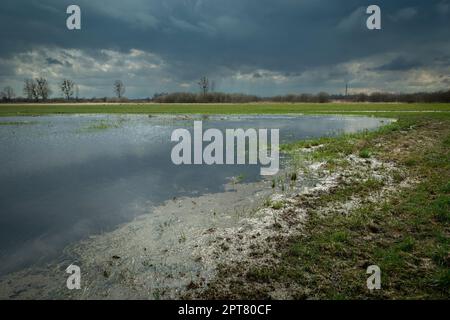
(252, 108)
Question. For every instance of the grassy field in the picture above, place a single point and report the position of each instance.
(251, 108)
(406, 233)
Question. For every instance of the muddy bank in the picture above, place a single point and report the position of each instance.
(385, 204)
(178, 250)
(259, 242)
(156, 256)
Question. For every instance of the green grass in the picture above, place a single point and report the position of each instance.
(250, 108)
(408, 237)
(102, 125)
(407, 234)
(365, 153)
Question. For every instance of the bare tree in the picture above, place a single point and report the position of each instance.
(8, 93)
(204, 85)
(323, 97)
(67, 88)
(43, 88)
(119, 88)
(30, 89)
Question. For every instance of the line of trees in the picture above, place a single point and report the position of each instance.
(418, 97)
(322, 97)
(38, 89)
(211, 97)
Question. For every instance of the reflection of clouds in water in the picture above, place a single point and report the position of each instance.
(44, 247)
(61, 141)
(60, 184)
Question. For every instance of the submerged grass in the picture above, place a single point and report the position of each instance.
(101, 125)
(17, 123)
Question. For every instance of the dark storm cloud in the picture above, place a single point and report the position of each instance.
(220, 38)
(399, 64)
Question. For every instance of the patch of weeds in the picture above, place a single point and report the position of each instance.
(240, 178)
(262, 274)
(277, 205)
(410, 162)
(339, 236)
(365, 154)
(156, 293)
(390, 259)
(441, 256)
(104, 125)
(268, 202)
(294, 176)
(441, 207)
(407, 245)
(182, 238)
(441, 280)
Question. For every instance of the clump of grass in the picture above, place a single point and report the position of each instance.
(339, 236)
(365, 154)
(410, 162)
(407, 244)
(262, 274)
(267, 202)
(104, 125)
(182, 238)
(441, 206)
(277, 205)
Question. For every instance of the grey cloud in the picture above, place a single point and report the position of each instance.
(284, 41)
(51, 61)
(399, 64)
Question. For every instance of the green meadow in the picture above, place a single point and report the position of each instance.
(250, 108)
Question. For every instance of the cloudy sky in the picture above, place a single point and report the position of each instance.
(263, 47)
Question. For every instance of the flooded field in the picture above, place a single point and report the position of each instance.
(66, 178)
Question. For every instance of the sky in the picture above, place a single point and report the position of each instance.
(263, 47)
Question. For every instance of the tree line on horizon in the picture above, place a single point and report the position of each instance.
(38, 90)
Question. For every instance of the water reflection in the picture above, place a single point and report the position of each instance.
(63, 178)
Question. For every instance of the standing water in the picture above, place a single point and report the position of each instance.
(64, 178)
